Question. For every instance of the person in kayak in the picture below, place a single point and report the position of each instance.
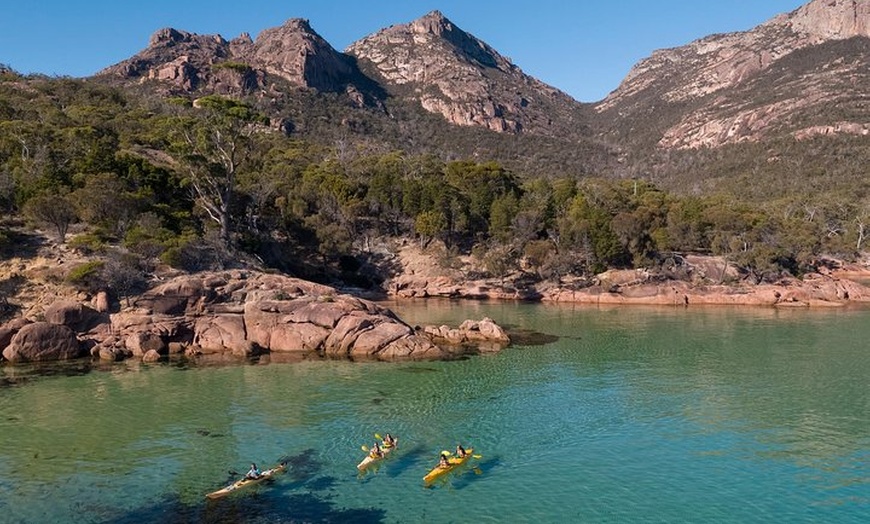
(460, 451)
(443, 462)
(376, 451)
(389, 441)
(253, 473)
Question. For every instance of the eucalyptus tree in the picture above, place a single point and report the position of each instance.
(212, 144)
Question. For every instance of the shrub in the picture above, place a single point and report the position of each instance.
(88, 243)
(238, 67)
(86, 276)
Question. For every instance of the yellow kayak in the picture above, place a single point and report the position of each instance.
(245, 482)
(370, 459)
(453, 462)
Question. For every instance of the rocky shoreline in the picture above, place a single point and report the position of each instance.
(239, 314)
(242, 313)
(703, 283)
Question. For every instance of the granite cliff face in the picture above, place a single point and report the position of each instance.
(429, 61)
(744, 86)
(190, 63)
(452, 73)
(801, 74)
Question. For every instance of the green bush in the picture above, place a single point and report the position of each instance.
(88, 243)
(175, 257)
(86, 276)
(238, 67)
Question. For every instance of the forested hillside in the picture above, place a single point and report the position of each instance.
(143, 180)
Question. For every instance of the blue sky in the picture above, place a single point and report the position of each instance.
(584, 47)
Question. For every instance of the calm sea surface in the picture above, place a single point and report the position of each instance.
(596, 415)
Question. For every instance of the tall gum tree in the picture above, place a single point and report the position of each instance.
(213, 144)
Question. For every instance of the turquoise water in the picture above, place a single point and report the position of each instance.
(618, 415)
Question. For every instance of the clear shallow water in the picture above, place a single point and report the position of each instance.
(632, 415)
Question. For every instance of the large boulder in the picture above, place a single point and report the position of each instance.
(213, 334)
(41, 342)
(9, 330)
(372, 341)
(177, 297)
(142, 342)
(78, 317)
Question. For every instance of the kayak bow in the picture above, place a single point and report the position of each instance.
(245, 482)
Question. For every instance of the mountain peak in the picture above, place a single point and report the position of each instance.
(189, 62)
(298, 24)
(452, 73)
(298, 54)
(433, 22)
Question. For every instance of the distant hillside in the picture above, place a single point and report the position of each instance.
(200, 152)
(801, 74)
(430, 87)
(384, 91)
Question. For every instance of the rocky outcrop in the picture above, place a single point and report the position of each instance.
(702, 280)
(192, 63)
(737, 87)
(829, 19)
(484, 335)
(250, 312)
(78, 317)
(235, 312)
(452, 73)
(298, 54)
(813, 291)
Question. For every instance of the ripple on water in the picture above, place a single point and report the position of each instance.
(648, 416)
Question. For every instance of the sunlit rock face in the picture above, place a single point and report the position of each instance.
(738, 87)
(188, 62)
(453, 74)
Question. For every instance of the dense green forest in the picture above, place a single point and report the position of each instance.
(208, 184)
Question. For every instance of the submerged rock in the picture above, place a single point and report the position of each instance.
(484, 335)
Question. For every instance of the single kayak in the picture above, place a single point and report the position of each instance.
(453, 463)
(371, 459)
(245, 482)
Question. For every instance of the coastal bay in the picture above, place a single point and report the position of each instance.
(602, 414)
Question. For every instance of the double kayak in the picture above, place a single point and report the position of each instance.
(371, 459)
(452, 463)
(245, 482)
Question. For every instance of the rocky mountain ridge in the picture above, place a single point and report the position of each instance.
(429, 61)
(726, 88)
(800, 75)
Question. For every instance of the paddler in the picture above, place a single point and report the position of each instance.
(376, 451)
(389, 441)
(460, 451)
(253, 473)
(443, 462)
